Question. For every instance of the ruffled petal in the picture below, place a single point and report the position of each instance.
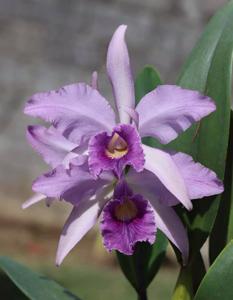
(119, 72)
(200, 181)
(126, 220)
(73, 185)
(165, 217)
(100, 161)
(168, 110)
(77, 110)
(49, 143)
(161, 164)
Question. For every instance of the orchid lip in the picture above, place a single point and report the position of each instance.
(117, 147)
(126, 211)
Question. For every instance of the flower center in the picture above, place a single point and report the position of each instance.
(117, 147)
(126, 211)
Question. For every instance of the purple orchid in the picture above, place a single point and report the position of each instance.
(90, 197)
(88, 147)
(84, 123)
(118, 207)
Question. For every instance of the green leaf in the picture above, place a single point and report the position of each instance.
(223, 228)
(198, 270)
(141, 267)
(34, 286)
(147, 80)
(208, 69)
(158, 251)
(217, 283)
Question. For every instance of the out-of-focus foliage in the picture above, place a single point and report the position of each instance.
(209, 70)
(223, 228)
(217, 283)
(34, 286)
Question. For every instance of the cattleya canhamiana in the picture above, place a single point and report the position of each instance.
(100, 165)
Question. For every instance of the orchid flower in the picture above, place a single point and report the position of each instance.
(84, 124)
(126, 218)
(92, 197)
(88, 146)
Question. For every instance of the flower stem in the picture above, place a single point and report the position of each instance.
(184, 288)
(142, 295)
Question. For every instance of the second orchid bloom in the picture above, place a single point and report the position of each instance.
(100, 165)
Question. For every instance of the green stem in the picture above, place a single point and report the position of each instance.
(184, 288)
(142, 295)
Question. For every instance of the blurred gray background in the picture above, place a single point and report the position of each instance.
(47, 44)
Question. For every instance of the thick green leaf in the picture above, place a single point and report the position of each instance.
(141, 267)
(157, 256)
(147, 80)
(223, 228)
(34, 286)
(208, 69)
(217, 283)
(198, 270)
(9, 289)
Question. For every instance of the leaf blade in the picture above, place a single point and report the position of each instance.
(33, 285)
(223, 228)
(217, 283)
(141, 267)
(208, 70)
(147, 80)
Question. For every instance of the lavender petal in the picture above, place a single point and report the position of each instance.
(169, 110)
(77, 110)
(161, 164)
(120, 74)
